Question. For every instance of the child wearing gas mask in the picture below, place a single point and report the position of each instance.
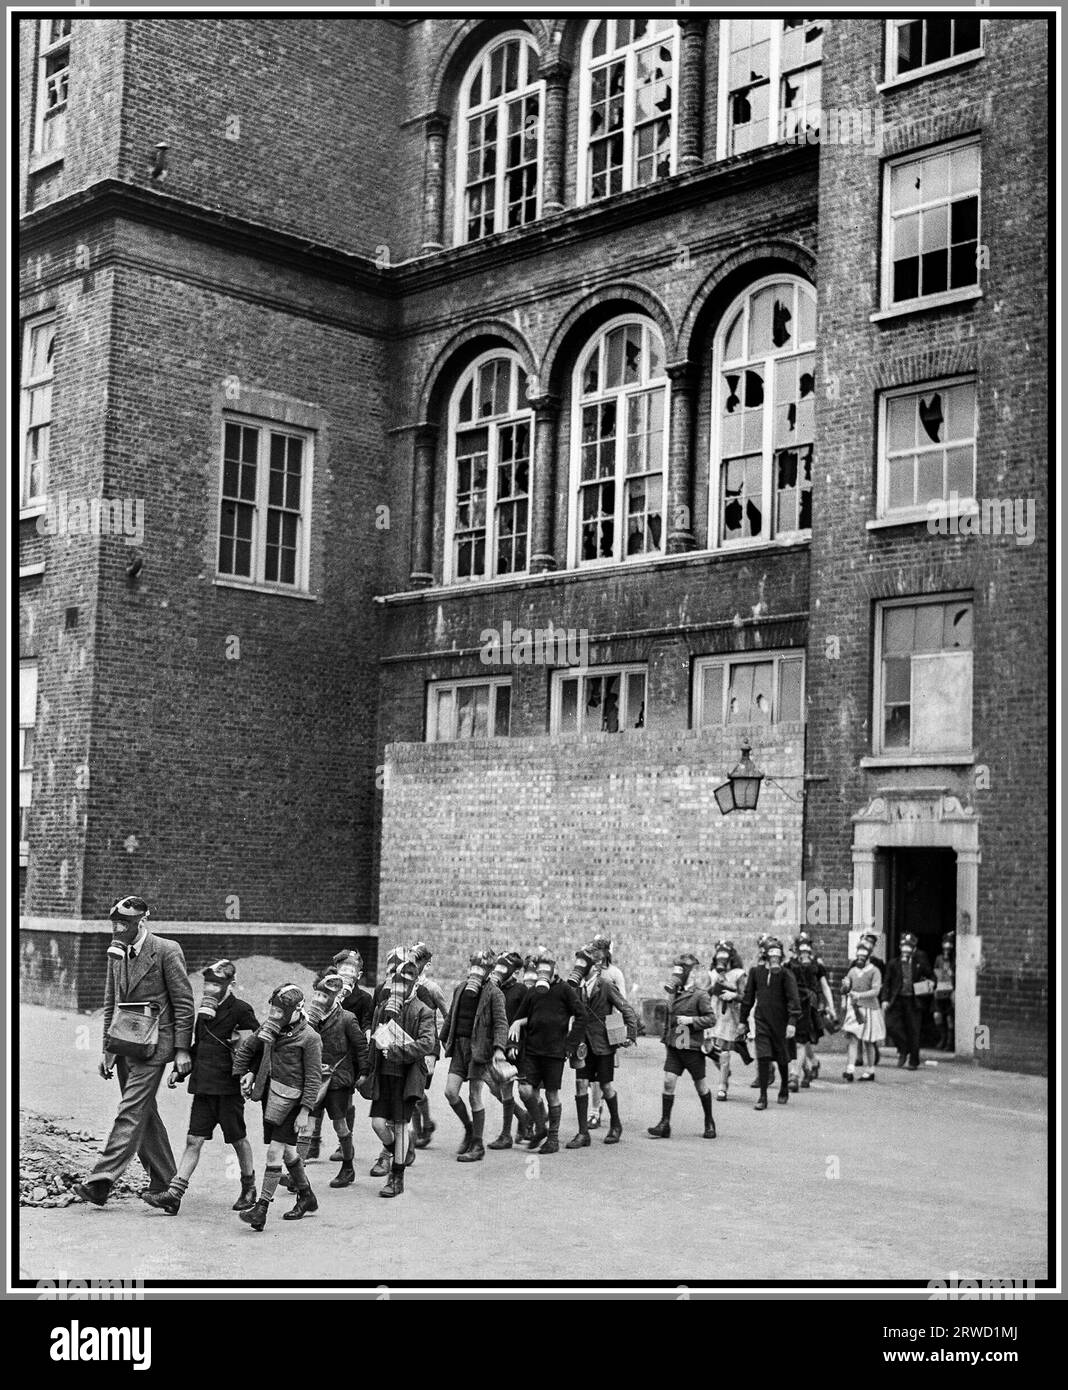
(689, 1014)
(475, 1036)
(355, 1001)
(345, 1066)
(863, 1025)
(281, 1065)
(505, 972)
(728, 1033)
(541, 1027)
(223, 1020)
(611, 972)
(398, 1075)
(593, 1056)
(772, 990)
(430, 993)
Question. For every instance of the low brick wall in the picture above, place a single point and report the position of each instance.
(547, 841)
(62, 965)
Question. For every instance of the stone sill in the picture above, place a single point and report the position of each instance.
(922, 306)
(921, 516)
(266, 589)
(888, 760)
(31, 571)
(47, 160)
(962, 60)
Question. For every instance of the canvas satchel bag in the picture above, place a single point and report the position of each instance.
(134, 1031)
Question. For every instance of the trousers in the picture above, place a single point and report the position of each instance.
(137, 1128)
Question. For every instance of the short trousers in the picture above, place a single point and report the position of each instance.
(679, 1060)
(390, 1091)
(598, 1068)
(337, 1101)
(461, 1063)
(228, 1112)
(283, 1131)
(543, 1071)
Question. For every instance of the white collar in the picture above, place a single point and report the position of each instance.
(138, 941)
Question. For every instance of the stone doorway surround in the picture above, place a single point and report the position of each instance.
(930, 818)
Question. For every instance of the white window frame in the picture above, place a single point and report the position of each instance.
(45, 51)
(584, 673)
(893, 77)
(888, 304)
(731, 659)
(921, 512)
(516, 415)
(27, 723)
(500, 104)
(621, 394)
(629, 54)
(775, 76)
(436, 688)
(911, 754)
(28, 385)
(257, 581)
(767, 535)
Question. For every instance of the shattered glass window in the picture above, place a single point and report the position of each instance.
(934, 223)
(461, 710)
(773, 81)
(631, 104)
(749, 691)
(926, 677)
(920, 43)
(929, 446)
(503, 135)
(605, 703)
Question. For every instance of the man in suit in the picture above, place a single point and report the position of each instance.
(772, 990)
(142, 969)
(903, 1006)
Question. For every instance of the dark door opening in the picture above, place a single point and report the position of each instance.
(923, 900)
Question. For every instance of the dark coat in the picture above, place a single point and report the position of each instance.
(693, 1003)
(213, 1050)
(588, 1025)
(344, 1048)
(515, 992)
(418, 1022)
(548, 1014)
(157, 976)
(490, 1028)
(774, 992)
(296, 1060)
(893, 978)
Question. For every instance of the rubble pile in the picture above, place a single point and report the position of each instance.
(52, 1158)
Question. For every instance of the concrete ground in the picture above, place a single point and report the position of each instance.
(918, 1176)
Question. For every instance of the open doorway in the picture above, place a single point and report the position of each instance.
(922, 887)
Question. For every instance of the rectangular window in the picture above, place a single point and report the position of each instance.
(931, 227)
(263, 513)
(927, 450)
(38, 347)
(764, 689)
(601, 702)
(916, 45)
(467, 709)
(924, 677)
(771, 73)
(27, 728)
(53, 81)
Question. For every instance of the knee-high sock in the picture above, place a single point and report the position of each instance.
(763, 1075)
(271, 1178)
(178, 1187)
(666, 1102)
(612, 1102)
(297, 1173)
(554, 1119)
(347, 1150)
(509, 1111)
(706, 1106)
(460, 1110)
(582, 1108)
(478, 1124)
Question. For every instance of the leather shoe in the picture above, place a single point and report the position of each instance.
(96, 1191)
(762, 1103)
(256, 1216)
(901, 1059)
(306, 1202)
(710, 1130)
(474, 1153)
(614, 1135)
(783, 1097)
(580, 1141)
(550, 1145)
(468, 1140)
(503, 1141)
(382, 1162)
(163, 1201)
(661, 1130)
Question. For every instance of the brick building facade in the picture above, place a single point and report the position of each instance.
(546, 325)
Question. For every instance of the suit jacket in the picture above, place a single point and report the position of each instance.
(157, 976)
(418, 1021)
(490, 1028)
(693, 1003)
(588, 1026)
(893, 980)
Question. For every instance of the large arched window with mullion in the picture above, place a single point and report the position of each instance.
(619, 457)
(487, 523)
(499, 150)
(765, 413)
(628, 104)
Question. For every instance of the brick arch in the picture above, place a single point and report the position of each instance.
(583, 320)
(461, 48)
(730, 278)
(462, 349)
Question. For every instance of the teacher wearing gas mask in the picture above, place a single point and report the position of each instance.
(148, 1022)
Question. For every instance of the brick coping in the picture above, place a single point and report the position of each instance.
(87, 924)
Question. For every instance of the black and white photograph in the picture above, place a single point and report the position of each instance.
(535, 763)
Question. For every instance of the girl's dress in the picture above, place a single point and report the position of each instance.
(726, 1030)
(864, 1015)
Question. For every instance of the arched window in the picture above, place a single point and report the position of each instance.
(619, 450)
(490, 427)
(770, 82)
(627, 112)
(498, 157)
(764, 409)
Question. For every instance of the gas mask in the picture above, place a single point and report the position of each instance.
(283, 1009)
(326, 997)
(804, 954)
(774, 955)
(530, 971)
(722, 961)
(948, 943)
(349, 965)
(126, 918)
(545, 969)
(863, 952)
(421, 956)
(217, 981)
(680, 973)
(401, 985)
(478, 970)
(395, 958)
(604, 945)
(585, 963)
(505, 967)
